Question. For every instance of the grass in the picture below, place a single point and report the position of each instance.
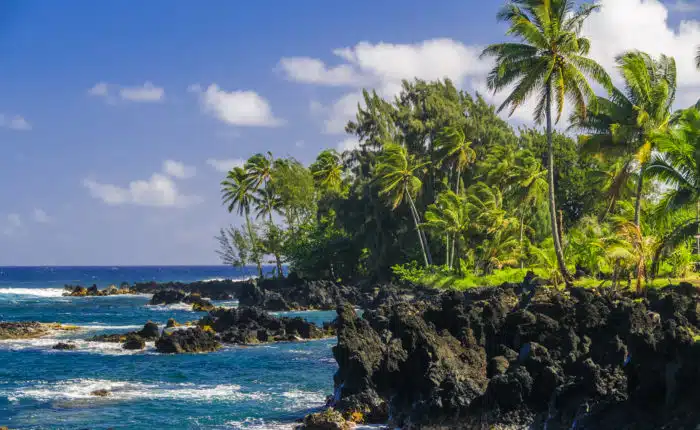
(497, 278)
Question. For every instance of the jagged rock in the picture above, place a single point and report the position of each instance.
(64, 346)
(149, 331)
(172, 323)
(167, 297)
(189, 340)
(523, 356)
(80, 291)
(252, 325)
(326, 420)
(134, 342)
(30, 329)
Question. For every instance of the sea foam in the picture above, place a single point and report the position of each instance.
(38, 292)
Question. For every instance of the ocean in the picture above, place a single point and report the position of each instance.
(258, 387)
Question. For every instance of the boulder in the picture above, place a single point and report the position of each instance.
(189, 340)
(328, 419)
(172, 323)
(61, 346)
(149, 331)
(134, 343)
(167, 297)
(101, 393)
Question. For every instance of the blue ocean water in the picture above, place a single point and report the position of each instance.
(260, 387)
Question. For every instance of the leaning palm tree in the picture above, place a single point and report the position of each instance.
(238, 196)
(454, 149)
(395, 172)
(259, 169)
(327, 170)
(550, 61)
(267, 202)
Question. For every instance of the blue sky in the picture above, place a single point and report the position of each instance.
(117, 118)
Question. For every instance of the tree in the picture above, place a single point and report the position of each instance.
(551, 61)
(294, 184)
(652, 87)
(259, 169)
(237, 194)
(267, 202)
(640, 248)
(678, 165)
(327, 171)
(449, 216)
(239, 247)
(396, 174)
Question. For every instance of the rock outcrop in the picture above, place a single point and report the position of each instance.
(130, 340)
(251, 325)
(187, 341)
(29, 329)
(93, 291)
(63, 346)
(523, 356)
(169, 297)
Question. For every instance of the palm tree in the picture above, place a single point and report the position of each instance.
(652, 84)
(259, 169)
(238, 195)
(396, 174)
(678, 165)
(640, 248)
(328, 170)
(552, 61)
(267, 202)
(452, 147)
(449, 216)
(530, 188)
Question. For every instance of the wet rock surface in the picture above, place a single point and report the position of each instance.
(149, 332)
(252, 325)
(523, 356)
(189, 340)
(94, 291)
(61, 346)
(169, 297)
(29, 329)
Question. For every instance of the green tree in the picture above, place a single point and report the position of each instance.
(327, 171)
(449, 216)
(238, 247)
(678, 165)
(238, 196)
(267, 202)
(396, 173)
(294, 184)
(259, 169)
(552, 62)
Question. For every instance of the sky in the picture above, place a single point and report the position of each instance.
(118, 119)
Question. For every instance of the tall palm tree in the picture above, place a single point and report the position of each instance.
(678, 165)
(237, 194)
(259, 169)
(551, 61)
(396, 174)
(453, 148)
(652, 83)
(328, 170)
(267, 202)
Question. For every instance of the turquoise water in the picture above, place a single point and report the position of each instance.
(261, 387)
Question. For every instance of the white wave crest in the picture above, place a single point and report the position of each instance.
(37, 292)
(80, 389)
(82, 346)
(298, 399)
(106, 327)
(169, 308)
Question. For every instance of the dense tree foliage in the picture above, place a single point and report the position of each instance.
(439, 180)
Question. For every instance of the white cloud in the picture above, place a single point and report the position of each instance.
(348, 144)
(177, 169)
(12, 223)
(15, 122)
(144, 93)
(241, 108)
(225, 165)
(619, 26)
(41, 217)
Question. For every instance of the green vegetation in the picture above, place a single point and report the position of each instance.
(441, 191)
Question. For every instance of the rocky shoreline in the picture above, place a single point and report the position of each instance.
(521, 356)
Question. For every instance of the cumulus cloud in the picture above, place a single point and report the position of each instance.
(146, 93)
(241, 108)
(41, 217)
(225, 165)
(619, 26)
(178, 170)
(14, 122)
(160, 190)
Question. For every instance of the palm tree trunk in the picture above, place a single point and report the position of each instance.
(552, 202)
(697, 221)
(638, 202)
(254, 244)
(414, 213)
(522, 222)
